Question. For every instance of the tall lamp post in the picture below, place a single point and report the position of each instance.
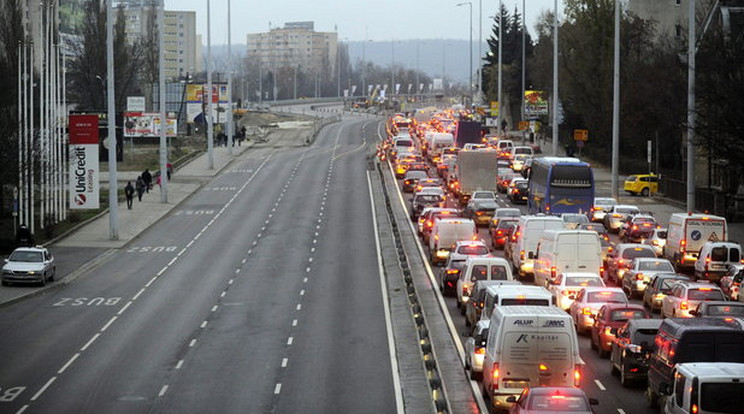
(470, 5)
(555, 81)
(501, 42)
(616, 106)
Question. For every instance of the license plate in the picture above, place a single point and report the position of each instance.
(521, 384)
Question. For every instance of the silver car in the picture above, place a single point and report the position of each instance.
(657, 241)
(29, 265)
(475, 349)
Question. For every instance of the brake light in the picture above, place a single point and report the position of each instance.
(683, 305)
(499, 233)
(480, 350)
(429, 223)
(566, 292)
(543, 368)
(552, 272)
(601, 270)
(452, 271)
(682, 244)
(495, 377)
(694, 409)
(586, 311)
(635, 227)
(521, 255)
(608, 331)
(577, 376)
(639, 276)
(705, 288)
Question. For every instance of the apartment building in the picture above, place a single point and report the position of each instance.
(295, 44)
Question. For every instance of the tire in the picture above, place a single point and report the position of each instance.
(43, 280)
(54, 273)
(624, 381)
(474, 375)
(645, 192)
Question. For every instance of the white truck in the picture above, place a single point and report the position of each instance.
(686, 235)
(475, 170)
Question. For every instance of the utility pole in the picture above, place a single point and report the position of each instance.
(555, 81)
(501, 43)
(691, 110)
(616, 108)
(210, 128)
(163, 120)
(229, 119)
(113, 189)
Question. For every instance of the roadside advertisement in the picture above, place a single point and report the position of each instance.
(147, 124)
(536, 103)
(196, 102)
(494, 108)
(84, 168)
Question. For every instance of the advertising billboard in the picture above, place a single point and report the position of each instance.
(84, 167)
(196, 102)
(147, 124)
(536, 103)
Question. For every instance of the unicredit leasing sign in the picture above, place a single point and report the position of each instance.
(84, 186)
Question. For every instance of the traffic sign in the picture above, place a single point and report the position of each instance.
(581, 135)
(524, 125)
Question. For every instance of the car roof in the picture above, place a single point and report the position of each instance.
(581, 274)
(30, 249)
(622, 246)
(589, 289)
(695, 285)
(644, 323)
(721, 302)
(615, 305)
(650, 259)
(557, 391)
(644, 216)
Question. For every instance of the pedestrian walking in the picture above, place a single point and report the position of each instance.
(129, 193)
(147, 178)
(169, 170)
(140, 187)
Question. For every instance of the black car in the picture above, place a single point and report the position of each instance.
(519, 193)
(658, 286)
(721, 308)
(422, 200)
(449, 275)
(630, 349)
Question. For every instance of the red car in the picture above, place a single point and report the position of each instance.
(501, 230)
(608, 320)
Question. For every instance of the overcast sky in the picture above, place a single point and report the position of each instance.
(375, 20)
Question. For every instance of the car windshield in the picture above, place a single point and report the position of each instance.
(558, 403)
(626, 210)
(721, 397)
(524, 302)
(507, 225)
(498, 272)
(632, 178)
(661, 234)
(704, 294)
(483, 196)
(457, 264)
(479, 272)
(606, 297)
(29, 257)
(644, 222)
(660, 265)
(646, 335)
(623, 315)
(428, 198)
(473, 250)
(638, 252)
(583, 281)
(666, 284)
(724, 310)
(522, 185)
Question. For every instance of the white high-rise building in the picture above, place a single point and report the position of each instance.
(297, 43)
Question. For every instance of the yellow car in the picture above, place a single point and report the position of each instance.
(643, 184)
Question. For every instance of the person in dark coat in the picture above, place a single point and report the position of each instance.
(129, 193)
(24, 238)
(140, 187)
(147, 178)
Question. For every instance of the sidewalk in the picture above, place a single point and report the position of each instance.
(93, 236)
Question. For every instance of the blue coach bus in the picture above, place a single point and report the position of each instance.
(560, 185)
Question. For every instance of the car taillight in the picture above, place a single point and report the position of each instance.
(521, 255)
(608, 330)
(480, 350)
(452, 271)
(639, 276)
(495, 377)
(566, 292)
(634, 227)
(429, 223)
(587, 311)
(683, 305)
(499, 232)
(682, 244)
(577, 376)
(552, 272)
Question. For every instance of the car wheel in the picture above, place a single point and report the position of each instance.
(474, 375)
(54, 273)
(43, 280)
(645, 192)
(624, 381)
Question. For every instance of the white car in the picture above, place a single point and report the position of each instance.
(602, 205)
(480, 195)
(475, 349)
(567, 286)
(513, 184)
(657, 241)
(587, 304)
(686, 296)
(573, 220)
(614, 218)
(29, 265)
(468, 248)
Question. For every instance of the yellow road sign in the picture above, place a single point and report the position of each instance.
(581, 135)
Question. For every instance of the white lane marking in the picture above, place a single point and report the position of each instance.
(294, 322)
(173, 260)
(214, 308)
(124, 308)
(179, 364)
(315, 241)
(307, 269)
(112, 320)
(290, 340)
(67, 365)
(278, 388)
(204, 324)
(304, 280)
(138, 294)
(620, 411)
(22, 409)
(599, 384)
(237, 270)
(302, 292)
(154, 278)
(310, 259)
(90, 341)
(299, 306)
(192, 343)
(258, 236)
(386, 308)
(284, 362)
(190, 243)
(250, 251)
(162, 270)
(182, 251)
(312, 250)
(231, 281)
(222, 295)
(41, 391)
(244, 260)
(163, 390)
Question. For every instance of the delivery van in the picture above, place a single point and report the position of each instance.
(715, 258)
(529, 346)
(705, 388)
(686, 235)
(525, 238)
(514, 295)
(560, 251)
(445, 233)
(480, 268)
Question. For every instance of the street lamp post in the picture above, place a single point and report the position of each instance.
(501, 43)
(616, 106)
(470, 5)
(555, 81)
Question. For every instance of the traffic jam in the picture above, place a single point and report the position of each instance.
(553, 286)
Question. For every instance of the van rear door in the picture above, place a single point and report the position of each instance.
(555, 355)
(535, 358)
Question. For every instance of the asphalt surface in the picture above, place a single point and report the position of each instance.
(269, 300)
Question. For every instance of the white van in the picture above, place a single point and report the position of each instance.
(480, 268)
(715, 258)
(514, 295)
(560, 251)
(437, 141)
(705, 388)
(404, 143)
(526, 236)
(523, 150)
(529, 346)
(445, 233)
(686, 235)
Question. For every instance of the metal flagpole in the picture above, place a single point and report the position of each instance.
(524, 68)
(163, 120)
(210, 129)
(64, 146)
(229, 116)
(113, 189)
(22, 200)
(31, 158)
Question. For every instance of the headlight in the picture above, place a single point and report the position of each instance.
(31, 272)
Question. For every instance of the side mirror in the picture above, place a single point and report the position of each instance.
(530, 255)
(665, 389)
(511, 399)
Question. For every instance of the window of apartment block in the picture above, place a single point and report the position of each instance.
(677, 2)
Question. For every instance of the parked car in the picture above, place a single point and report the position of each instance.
(657, 240)
(719, 308)
(643, 184)
(613, 219)
(475, 349)
(631, 347)
(29, 265)
(609, 318)
(659, 286)
(686, 296)
(587, 304)
(551, 400)
(731, 281)
(639, 273)
(619, 260)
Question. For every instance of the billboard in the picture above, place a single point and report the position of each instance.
(196, 102)
(536, 103)
(147, 124)
(84, 168)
